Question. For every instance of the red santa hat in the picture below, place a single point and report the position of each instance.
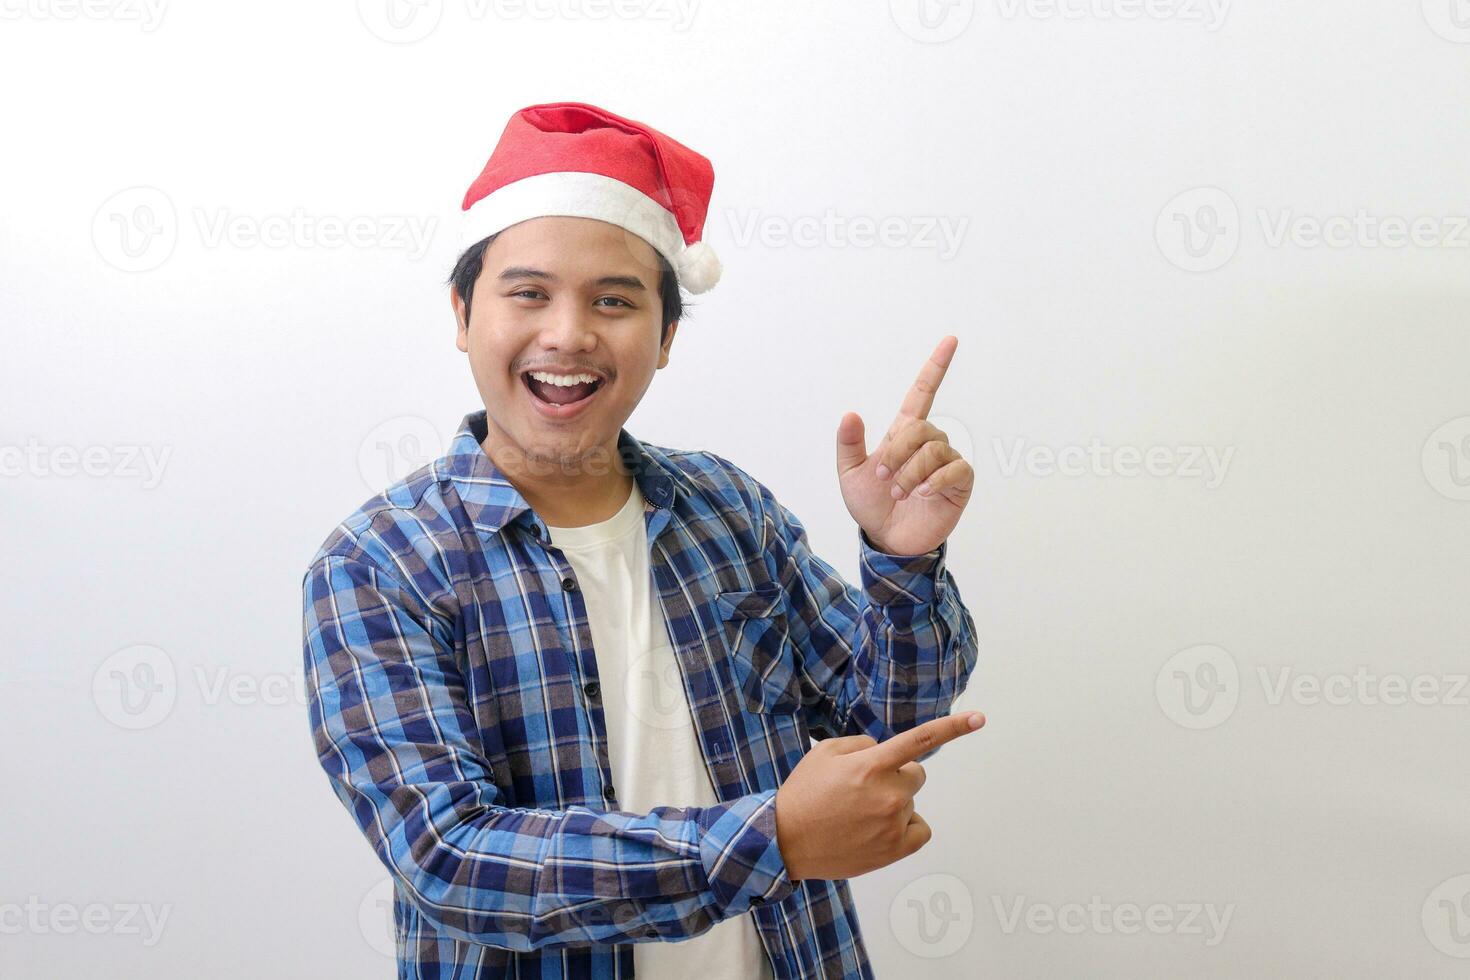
(574, 159)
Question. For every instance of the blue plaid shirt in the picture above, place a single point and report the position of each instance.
(455, 705)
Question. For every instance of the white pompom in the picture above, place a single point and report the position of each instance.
(699, 268)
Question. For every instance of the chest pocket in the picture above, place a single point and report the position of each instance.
(759, 641)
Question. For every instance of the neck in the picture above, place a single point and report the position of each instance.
(565, 491)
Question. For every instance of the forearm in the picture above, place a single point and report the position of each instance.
(597, 876)
(887, 656)
(392, 730)
(527, 879)
(916, 641)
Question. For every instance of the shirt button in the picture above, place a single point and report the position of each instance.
(608, 792)
(757, 900)
(590, 689)
(569, 583)
(650, 934)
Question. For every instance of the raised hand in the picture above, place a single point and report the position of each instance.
(848, 806)
(908, 495)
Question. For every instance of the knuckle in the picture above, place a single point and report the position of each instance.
(851, 746)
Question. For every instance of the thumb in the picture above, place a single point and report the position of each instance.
(851, 442)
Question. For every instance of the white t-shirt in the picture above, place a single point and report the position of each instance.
(652, 746)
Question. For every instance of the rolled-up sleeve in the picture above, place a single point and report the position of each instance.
(884, 657)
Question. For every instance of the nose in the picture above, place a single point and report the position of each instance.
(568, 326)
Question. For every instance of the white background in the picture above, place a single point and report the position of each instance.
(1091, 300)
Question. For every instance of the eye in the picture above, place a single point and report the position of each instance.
(615, 299)
(530, 293)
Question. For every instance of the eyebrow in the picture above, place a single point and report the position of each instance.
(524, 272)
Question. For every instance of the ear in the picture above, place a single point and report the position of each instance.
(663, 353)
(462, 335)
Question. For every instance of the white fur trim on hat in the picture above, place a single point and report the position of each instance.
(584, 195)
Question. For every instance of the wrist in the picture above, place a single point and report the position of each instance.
(739, 852)
(889, 578)
(882, 547)
(785, 841)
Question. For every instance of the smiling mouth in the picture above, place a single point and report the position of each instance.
(558, 395)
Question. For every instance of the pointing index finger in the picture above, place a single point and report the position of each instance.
(907, 746)
(920, 399)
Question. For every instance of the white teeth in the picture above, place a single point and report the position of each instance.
(563, 380)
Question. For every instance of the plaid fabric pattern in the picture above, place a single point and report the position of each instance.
(455, 705)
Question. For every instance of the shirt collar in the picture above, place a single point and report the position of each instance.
(491, 501)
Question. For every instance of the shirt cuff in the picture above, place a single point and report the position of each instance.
(742, 861)
(893, 579)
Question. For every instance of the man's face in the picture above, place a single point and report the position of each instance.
(566, 296)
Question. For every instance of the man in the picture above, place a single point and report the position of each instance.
(566, 682)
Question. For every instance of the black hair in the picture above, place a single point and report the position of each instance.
(472, 260)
